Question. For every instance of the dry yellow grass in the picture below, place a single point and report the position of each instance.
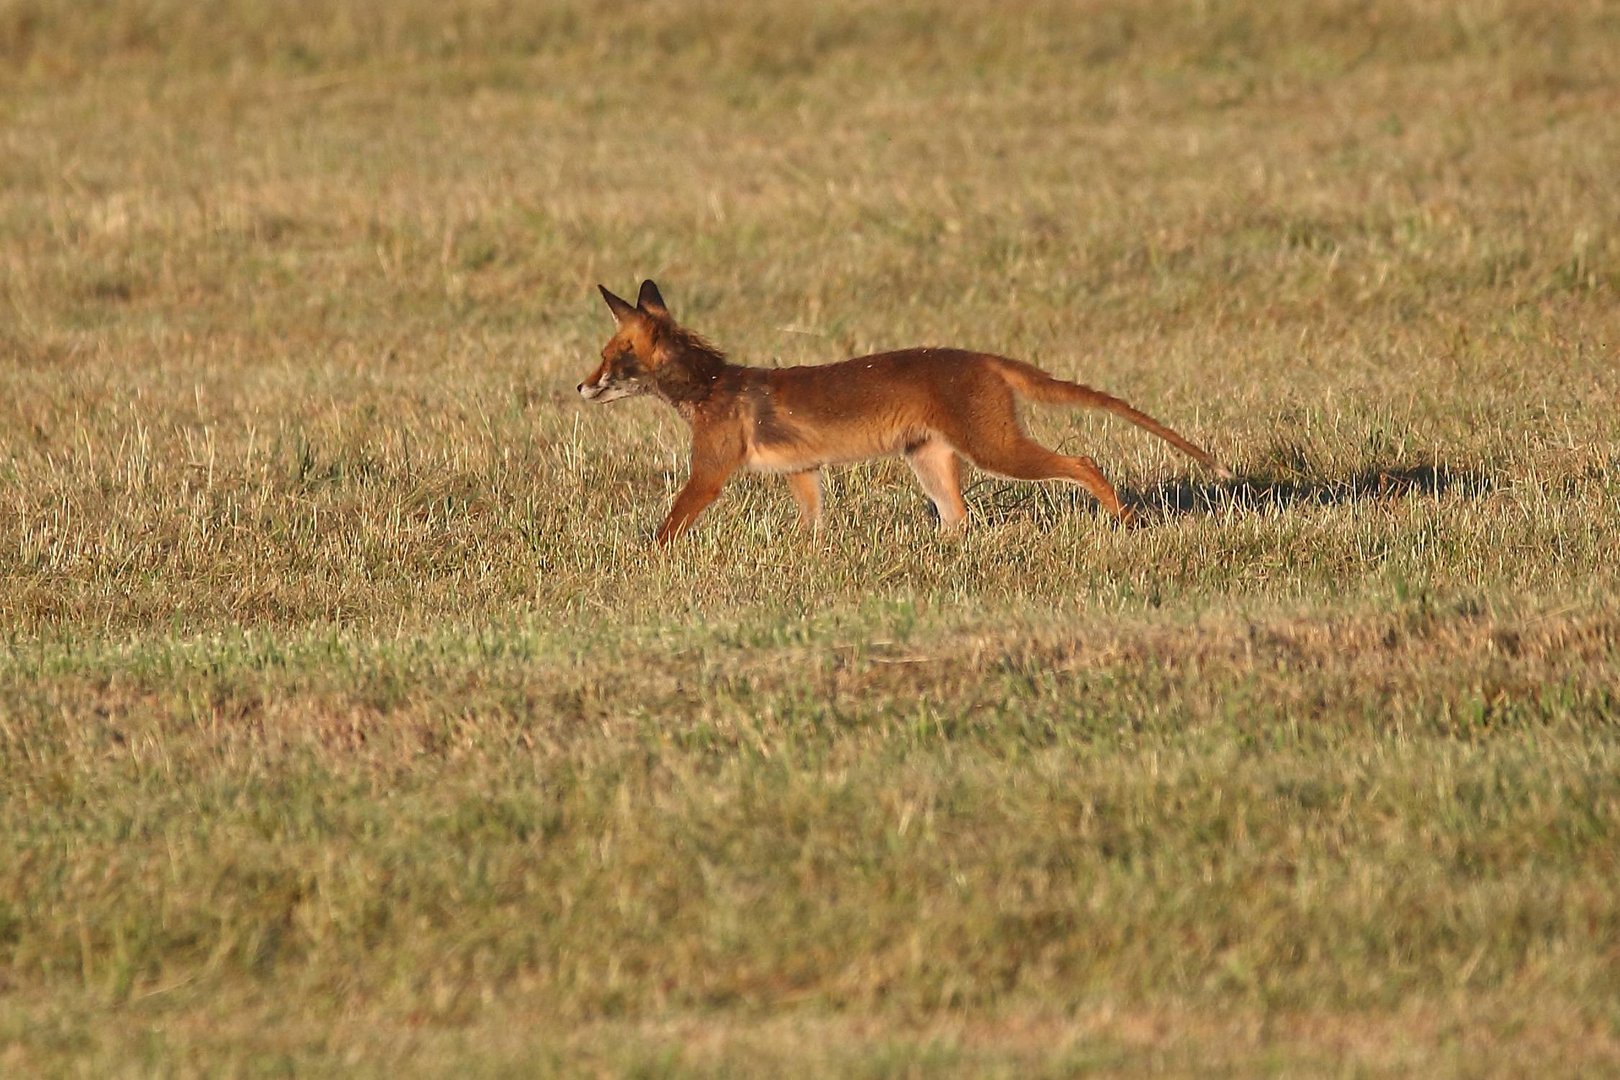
(348, 721)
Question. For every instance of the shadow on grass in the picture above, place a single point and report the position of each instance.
(1260, 493)
(1253, 493)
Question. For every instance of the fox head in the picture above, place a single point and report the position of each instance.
(630, 357)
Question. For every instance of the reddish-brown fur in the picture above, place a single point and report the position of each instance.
(928, 405)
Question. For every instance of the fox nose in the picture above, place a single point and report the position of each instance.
(580, 388)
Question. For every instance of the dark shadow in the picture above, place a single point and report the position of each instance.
(1258, 493)
(1246, 494)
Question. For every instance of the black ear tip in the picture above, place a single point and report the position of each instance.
(620, 308)
(649, 298)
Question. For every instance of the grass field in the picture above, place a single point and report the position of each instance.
(351, 725)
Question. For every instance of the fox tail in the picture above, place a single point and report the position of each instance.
(1029, 381)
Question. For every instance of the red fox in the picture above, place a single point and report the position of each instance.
(928, 405)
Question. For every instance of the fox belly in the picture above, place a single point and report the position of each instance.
(781, 437)
(811, 449)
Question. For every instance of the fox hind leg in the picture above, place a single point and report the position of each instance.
(939, 471)
(1025, 459)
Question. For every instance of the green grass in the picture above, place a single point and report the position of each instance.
(349, 723)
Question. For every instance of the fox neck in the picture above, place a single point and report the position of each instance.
(687, 376)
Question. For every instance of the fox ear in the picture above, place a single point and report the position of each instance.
(649, 300)
(621, 308)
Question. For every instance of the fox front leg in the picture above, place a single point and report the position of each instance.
(806, 488)
(712, 466)
(693, 499)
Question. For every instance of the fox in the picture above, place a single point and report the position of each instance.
(931, 406)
